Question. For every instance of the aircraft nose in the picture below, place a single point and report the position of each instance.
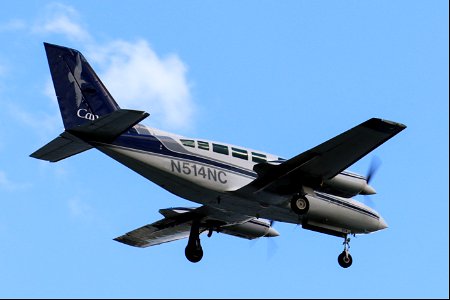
(272, 232)
(382, 224)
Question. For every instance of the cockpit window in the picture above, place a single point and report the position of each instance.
(188, 143)
(203, 145)
(220, 149)
(239, 153)
(258, 157)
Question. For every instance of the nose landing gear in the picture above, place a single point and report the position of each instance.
(345, 259)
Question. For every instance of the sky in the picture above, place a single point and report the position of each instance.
(278, 76)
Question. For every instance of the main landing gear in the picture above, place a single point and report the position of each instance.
(300, 204)
(194, 251)
(345, 259)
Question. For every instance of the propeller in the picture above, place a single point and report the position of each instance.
(271, 248)
(374, 165)
(373, 168)
(271, 243)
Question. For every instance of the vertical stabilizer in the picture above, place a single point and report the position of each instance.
(88, 111)
(81, 95)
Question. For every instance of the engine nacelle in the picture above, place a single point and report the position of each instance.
(252, 229)
(347, 184)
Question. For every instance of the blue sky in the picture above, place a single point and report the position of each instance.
(277, 76)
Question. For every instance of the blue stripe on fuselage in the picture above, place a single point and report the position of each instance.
(152, 144)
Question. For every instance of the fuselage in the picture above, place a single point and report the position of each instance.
(211, 173)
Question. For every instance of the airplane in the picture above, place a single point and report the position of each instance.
(241, 191)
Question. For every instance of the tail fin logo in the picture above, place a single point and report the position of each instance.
(84, 114)
(78, 83)
(76, 80)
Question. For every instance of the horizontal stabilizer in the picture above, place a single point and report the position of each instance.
(109, 127)
(103, 129)
(60, 148)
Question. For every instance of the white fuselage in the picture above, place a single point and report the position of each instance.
(209, 173)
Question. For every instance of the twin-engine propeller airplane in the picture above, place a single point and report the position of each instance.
(242, 191)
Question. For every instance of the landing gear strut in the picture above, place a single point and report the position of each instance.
(345, 259)
(299, 204)
(194, 251)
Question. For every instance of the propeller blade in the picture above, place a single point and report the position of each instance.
(369, 202)
(374, 165)
(272, 248)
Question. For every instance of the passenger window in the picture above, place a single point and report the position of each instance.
(188, 143)
(259, 158)
(203, 145)
(220, 149)
(239, 153)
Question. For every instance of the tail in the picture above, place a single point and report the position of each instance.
(88, 110)
(82, 97)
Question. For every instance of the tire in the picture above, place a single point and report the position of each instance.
(193, 254)
(344, 261)
(300, 205)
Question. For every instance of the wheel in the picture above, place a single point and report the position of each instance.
(300, 205)
(345, 261)
(193, 253)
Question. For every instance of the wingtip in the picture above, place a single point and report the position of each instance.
(399, 125)
(384, 125)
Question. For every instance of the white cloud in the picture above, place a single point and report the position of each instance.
(138, 78)
(49, 91)
(45, 124)
(61, 19)
(79, 209)
(13, 25)
(3, 72)
(7, 184)
(4, 181)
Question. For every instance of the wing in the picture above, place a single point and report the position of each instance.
(155, 234)
(325, 160)
(177, 224)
